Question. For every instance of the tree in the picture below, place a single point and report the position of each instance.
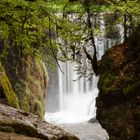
(128, 12)
(34, 27)
(89, 24)
(24, 27)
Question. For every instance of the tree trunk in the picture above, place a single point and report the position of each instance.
(94, 58)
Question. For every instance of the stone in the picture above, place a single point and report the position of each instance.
(118, 103)
(22, 123)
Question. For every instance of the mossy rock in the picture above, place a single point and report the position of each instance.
(119, 74)
(39, 108)
(7, 88)
(26, 84)
(131, 88)
(30, 90)
(20, 128)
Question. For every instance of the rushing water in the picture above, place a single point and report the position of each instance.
(76, 97)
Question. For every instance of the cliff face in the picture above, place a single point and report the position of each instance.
(27, 79)
(118, 104)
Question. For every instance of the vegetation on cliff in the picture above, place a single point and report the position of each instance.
(119, 68)
(119, 82)
(6, 91)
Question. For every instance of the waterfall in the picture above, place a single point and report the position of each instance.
(76, 97)
(71, 99)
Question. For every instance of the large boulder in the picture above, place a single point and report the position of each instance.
(25, 126)
(118, 103)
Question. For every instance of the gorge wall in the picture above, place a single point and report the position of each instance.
(118, 103)
(26, 79)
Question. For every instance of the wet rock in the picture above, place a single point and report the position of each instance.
(93, 120)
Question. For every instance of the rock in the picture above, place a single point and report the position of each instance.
(118, 103)
(6, 91)
(27, 82)
(17, 123)
(93, 120)
(13, 136)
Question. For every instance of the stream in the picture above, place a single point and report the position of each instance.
(86, 131)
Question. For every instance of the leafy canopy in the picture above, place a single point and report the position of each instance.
(34, 26)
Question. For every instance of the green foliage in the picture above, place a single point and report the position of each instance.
(27, 23)
(24, 23)
(129, 7)
(32, 26)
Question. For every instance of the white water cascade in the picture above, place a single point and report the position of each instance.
(76, 97)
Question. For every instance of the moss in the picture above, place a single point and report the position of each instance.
(28, 83)
(106, 83)
(7, 129)
(127, 89)
(39, 108)
(37, 82)
(20, 128)
(45, 75)
(24, 105)
(31, 90)
(20, 87)
(7, 88)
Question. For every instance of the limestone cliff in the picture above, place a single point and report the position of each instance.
(118, 104)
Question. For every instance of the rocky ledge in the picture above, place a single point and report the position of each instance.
(18, 124)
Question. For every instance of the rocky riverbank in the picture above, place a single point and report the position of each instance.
(16, 124)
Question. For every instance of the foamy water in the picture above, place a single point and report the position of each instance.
(78, 109)
(65, 117)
